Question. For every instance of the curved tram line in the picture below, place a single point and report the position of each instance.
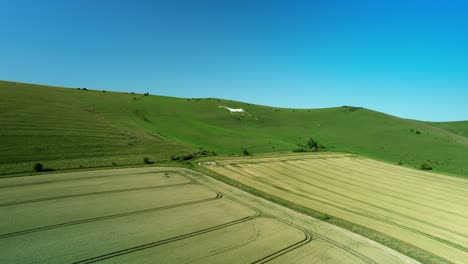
(91, 193)
(218, 196)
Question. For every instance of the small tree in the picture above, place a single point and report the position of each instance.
(246, 152)
(312, 143)
(427, 165)
(38, 167)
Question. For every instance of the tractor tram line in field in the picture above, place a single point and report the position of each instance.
(218, 196)
(38, 180)
(405, 176)
(359, 189)
(379, 207)
(26, 240)
(381, 219)
(339, 173)
(93, 193)
(162, 242)
(317, 236)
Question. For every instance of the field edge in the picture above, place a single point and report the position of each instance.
(404, 248)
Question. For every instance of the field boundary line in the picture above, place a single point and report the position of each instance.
(83, 178)
(259, 213)
(107, 217)
(348, 181)
(410, 173)
(285, 250)
(402, 247)
(339, 169)
(306, 232)
(93, 193)
(386, 210)
(164, 241)
(375, 217)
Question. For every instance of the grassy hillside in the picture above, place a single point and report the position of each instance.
(201, 123)
(70, 127)
(459, 128)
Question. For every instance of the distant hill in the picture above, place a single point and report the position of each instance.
(67, 128)
(459, 127)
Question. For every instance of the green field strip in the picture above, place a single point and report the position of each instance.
(252, 241)
(379, 219)
(86, 175)
(440, 232)
(285, 250)
(319, 251)
(35, 192)
(98, 238)
(418, 176)
(382, 181)
(387, 217)
(107, 217)
(422, 188)
(296, 203)
(357, 246)
(58, 127)
(370, 217)
(426, 176)
(89, 194)
(17, 219)
(342, 182)
(39, 132)
(255, 160)
(58, 135)
(404, 182)
(162, 242)
(347, 249)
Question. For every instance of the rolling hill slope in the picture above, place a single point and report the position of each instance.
(459, 127)
(71, 127)
(201, 123)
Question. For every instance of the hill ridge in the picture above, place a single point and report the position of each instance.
(69, 128)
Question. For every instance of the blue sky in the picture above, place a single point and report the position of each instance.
(406, 58)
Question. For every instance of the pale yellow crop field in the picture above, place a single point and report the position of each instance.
(427, 210)
(162, 215)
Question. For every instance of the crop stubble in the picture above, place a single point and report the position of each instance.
(423, 209)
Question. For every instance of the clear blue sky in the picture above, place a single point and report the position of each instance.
(407, 58)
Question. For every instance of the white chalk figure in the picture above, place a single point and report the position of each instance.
(233, 110)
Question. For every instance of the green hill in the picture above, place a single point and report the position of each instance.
(459, 127)
(67, 128)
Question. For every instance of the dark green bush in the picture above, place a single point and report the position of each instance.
(300, 150)
(246, 152)
(190, 156)
(312, 143)
(427, 165)
(38, 167)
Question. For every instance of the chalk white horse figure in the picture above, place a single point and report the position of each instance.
(233, 110)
